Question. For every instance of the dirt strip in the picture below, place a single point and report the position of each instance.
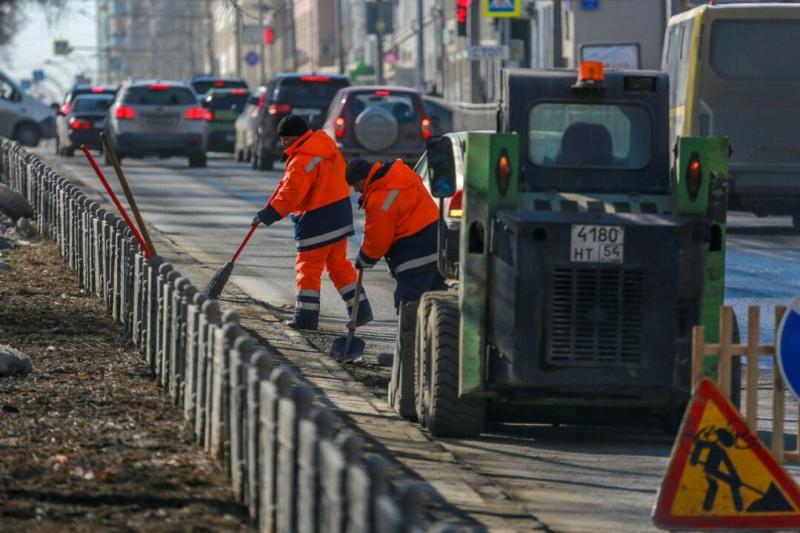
(88, 442)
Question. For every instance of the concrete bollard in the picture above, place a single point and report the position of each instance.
(334, 458)
(165, 328)
(310, 433)
(257, 371)
(279, 384)
(219, 415)
(138, 292)
(177, 325)
(290, 412)
(192, 348)
(153, 274)
(243, 348)
(210, 318)
(365, 483)
(97, 245)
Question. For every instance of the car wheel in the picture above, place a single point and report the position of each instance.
(265, 160)
(198, 160)
(58, 146)
(69, 151)
(27, 135)
(239, 155)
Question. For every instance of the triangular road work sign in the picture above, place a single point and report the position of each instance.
(721, 476)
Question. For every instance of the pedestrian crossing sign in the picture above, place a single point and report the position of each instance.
(721, 476)
(501, 8)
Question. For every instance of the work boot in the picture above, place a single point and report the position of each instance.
(364, 313)
(304, 319)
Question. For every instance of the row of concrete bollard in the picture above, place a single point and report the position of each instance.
(285, 459)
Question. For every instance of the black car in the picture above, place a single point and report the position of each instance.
(306, 95)
(224, 106)
(83, 124)
(202, 84)
(66, 105)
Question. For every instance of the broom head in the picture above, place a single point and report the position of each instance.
(219, 280)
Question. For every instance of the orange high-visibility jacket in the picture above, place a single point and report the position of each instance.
(315, 191)
(401, 219)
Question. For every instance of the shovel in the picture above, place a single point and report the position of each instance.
(350, 348)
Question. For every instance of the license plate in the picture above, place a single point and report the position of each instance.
(597, 244)
(308, 112)
(99, 125)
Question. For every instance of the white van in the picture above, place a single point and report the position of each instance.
(23, 117)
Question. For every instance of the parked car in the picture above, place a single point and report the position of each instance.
(223, 107)
(202, 84)
(157, 118)
(306, 95)
(246, 125)
(83, 124)
(22, 117)
(379, 123)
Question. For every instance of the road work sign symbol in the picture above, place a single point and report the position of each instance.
(721, 476)
(787, 346)
(501, 8)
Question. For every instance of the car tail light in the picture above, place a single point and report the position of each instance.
(455, 205)
(66, 108)
(79, 124)
(238, 91)
(124, 112)
(219, 83)
(98, 89)
(383, 93)
(196, 113)
(274, 109)
(694, 175)
(315, 78)
(339, 128)
(158, 87)
(426, 128)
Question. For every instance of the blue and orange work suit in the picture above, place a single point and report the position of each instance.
(314, 191)
(401, 225)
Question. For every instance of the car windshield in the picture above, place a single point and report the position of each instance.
(316, 92)
(756, 49)
(228, 102)
(88, 104)
(159, 96)
(400, 105)
(202, 87)
(589, 135)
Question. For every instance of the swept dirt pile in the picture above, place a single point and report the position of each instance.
(88, 442)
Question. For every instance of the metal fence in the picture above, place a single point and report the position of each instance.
(285, 459)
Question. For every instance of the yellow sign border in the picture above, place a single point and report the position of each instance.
(502, 14)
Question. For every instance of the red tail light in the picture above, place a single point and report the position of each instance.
(382, 93)
(694, 175)
(79, 124)
(315, 78)
(454, 206)
(66, 108)
(339, 129)
(124, 112)
(158, 87)
(219, 83)
(197, 113)
(426, 128)
(274, 109)
(258, 106)
(238, 91)
(98, 89)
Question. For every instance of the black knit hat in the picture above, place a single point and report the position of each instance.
(357, 170)
(292, 126)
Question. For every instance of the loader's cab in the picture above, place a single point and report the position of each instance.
(584, 259)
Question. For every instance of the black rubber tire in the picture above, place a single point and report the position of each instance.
(265, 159)
(69, 152)
(27, 134)
(253, 159)
(422, 351)
(248, 155)
(58, 146)
(198, 160)
(239, 156)
(444, 413)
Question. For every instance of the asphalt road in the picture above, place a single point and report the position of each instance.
(571, 478)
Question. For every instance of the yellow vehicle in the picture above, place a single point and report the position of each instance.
(734, 71)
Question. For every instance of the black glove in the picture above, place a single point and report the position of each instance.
(256, 221)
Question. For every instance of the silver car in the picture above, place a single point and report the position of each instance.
(155, 118)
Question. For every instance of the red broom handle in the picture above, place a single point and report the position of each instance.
(113, 196)
(253, 227)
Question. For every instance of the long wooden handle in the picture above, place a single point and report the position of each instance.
(116, 201)
(112, 155)
(244, 242)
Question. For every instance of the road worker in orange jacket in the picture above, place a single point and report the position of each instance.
(314, 191)
(401, 225)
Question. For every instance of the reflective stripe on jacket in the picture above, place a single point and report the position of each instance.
(401, 219)
(314, 191)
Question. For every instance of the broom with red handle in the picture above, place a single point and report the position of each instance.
(217, 283)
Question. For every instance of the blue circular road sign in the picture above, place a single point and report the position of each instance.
(251, 58)
(787, 347)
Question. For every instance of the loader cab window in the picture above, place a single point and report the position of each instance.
(572, 135)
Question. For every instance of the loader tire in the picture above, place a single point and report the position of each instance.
(421, 352)
(444, 413)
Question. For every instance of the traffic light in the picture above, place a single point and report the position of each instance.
(461, 17)
(268, 36)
